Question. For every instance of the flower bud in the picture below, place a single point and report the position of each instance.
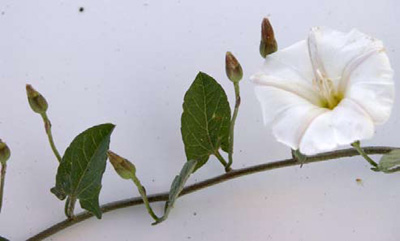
(123, 167)
(268, 44)
(37, 102)
(4, 153)
(233, 69)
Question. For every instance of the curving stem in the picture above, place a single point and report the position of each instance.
(208, 183)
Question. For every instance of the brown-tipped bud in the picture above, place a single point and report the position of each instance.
(268, 44)
(37, 102)
(4, 153)
(123, 167)
(233, 69)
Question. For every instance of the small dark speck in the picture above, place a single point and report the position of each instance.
(152, 180)
(189, 237)
(145, 4)
(194, 214)
(2, 13)
(81, 9)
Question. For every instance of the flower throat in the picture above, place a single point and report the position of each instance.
(330, 98)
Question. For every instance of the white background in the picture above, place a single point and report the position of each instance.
(130, 62)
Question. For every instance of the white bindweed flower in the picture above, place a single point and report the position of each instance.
(326, 91)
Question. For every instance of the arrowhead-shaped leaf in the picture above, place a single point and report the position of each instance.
(81, 169)
(177, 186)
(205, 119)
(390, 162)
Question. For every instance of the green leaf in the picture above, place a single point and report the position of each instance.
(390, 162)
(176, 188)
(205, 119)
(81, 169)
(3, 239)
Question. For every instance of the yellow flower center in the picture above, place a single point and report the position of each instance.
(324, 86)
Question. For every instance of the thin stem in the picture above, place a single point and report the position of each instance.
(47, 126)
(142, 192)
(208, 183)
(357, 146)
(233, 121)
(2, 180)
(221, 159)
(70, 207)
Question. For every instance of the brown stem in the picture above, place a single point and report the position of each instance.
(207, 183)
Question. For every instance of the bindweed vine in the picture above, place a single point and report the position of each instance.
(208, 183)
(311, 110)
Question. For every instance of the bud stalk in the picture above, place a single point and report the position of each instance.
(127, 170)
(4, 156)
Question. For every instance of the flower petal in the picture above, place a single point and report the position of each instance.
(290, 125)
(274, 101)
(347, 123)
(336, 49)
(371, 85)
(290, 70)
